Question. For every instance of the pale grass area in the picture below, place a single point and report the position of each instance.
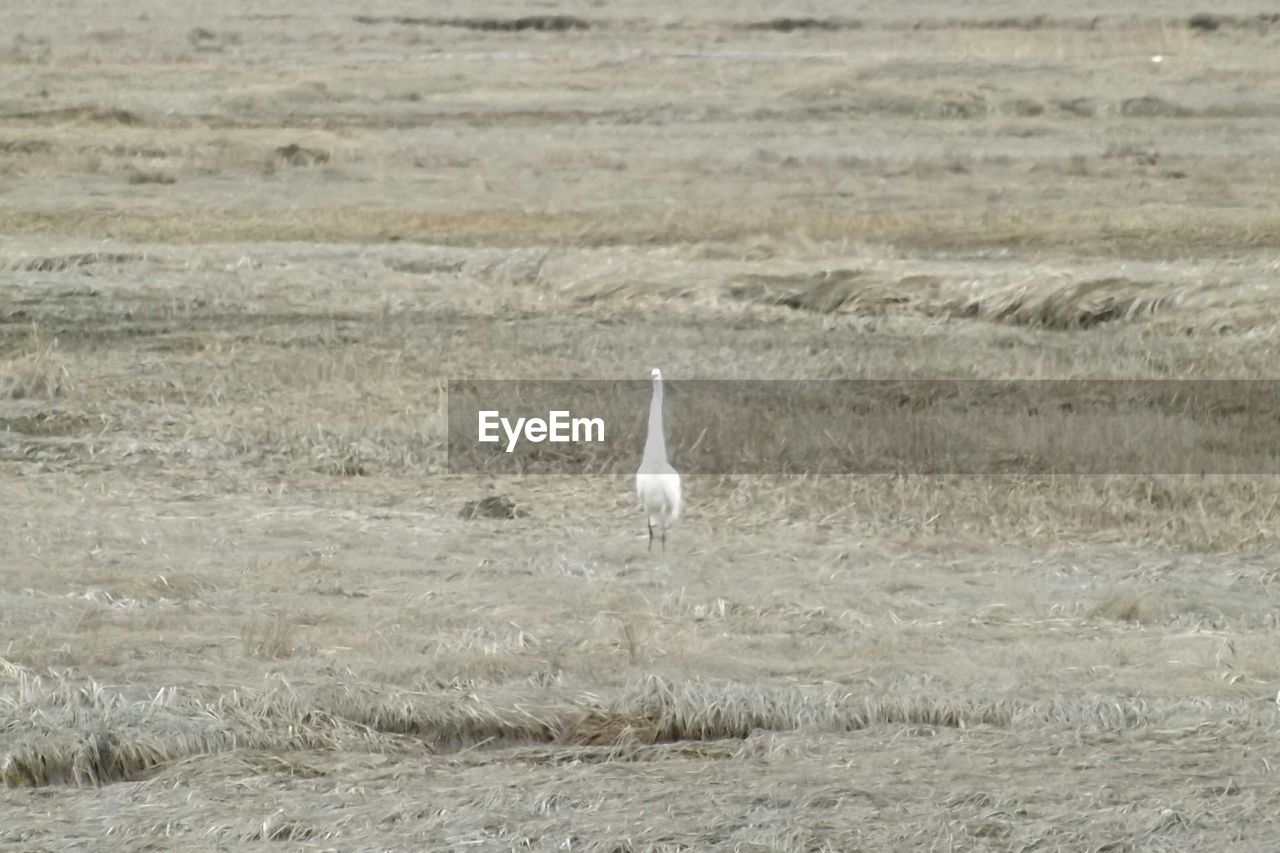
(1155, 232)
(268, 639)
(247, 248)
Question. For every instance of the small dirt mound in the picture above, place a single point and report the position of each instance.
(494, 506)
(296, 155)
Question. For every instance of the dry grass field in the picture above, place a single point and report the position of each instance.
(244, 245)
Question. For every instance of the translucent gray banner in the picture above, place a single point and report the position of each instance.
(870, 426)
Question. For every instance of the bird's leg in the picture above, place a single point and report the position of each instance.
(650, 534)
(664, 540)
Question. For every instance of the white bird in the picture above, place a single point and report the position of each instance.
(657, 483)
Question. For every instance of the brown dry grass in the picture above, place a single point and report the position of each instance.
(1156, 233)
(240, 603)
(34, 370)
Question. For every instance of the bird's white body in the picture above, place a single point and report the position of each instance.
(659, 494)
(657, 483)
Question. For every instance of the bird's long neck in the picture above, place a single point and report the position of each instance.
(655, 444)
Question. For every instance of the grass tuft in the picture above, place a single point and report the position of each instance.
(36, 371)
(271, 638)
(104, 744)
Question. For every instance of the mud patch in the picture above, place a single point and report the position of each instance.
(93, 115)
(536, 23)
(1011, 22)
(791, 25)
(1206, 22)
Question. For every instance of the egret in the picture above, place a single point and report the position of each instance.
(657, 483)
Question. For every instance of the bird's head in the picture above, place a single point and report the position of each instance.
(655, 373)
